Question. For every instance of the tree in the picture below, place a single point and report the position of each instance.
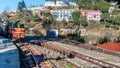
(76, 17)
(83, 3)
(64, 21)
(80, 3)
(115, 12)
(21, 6)
(94, 4)
(48, 20)
(47, 14)
(104, 40)
(36, 18)
(84, 22)
(117, 39)
(88, 4)
(115, 20)
(105, 16)
(103, 6)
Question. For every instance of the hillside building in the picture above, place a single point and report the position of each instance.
(36, 10)
(62, 14)
(58, 3)
(91, 14)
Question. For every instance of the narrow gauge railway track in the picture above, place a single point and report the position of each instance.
(29, 60)
(85, 46)
(46, 57)
(41, 43)
(76, 62)
(90, 59)
(40, 59)
(48, 52)
(83, 56)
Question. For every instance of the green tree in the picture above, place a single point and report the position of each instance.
(83, 3)
(64, 21)
(89, 4)
(49, 21)
(47, 14)
(105, 16)
(117, 39)
(92, 6)
(104, 40)
(117, 20)
(115, 12)
(36, 18)
(103, 6)
(21, 6)
(80, 4)
(84, 22)
(107, 25)
(76, 17)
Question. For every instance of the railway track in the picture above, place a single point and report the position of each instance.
(29, 60)
(37, 50)
(86, 46)
(85, 57)
(76, 62)
(39, 60)
(81, 56)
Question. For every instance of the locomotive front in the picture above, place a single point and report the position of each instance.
(18, 31)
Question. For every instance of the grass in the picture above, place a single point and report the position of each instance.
(66, 65)
(95, 25)
(108, 60)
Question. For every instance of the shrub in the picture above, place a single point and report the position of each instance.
(76, 37)
(104, 40)
(107, 25)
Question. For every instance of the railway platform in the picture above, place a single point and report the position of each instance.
(9, 57)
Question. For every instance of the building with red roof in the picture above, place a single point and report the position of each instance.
(91, 14)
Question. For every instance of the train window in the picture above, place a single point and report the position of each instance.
(15, 26)
(21, 25)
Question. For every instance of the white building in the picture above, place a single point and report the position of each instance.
(62, 14)
(52, 3)
(60, 3)
(36, 9)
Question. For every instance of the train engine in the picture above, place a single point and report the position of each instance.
(18, 31)
(13, 31)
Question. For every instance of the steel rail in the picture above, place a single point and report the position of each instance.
(87, 58)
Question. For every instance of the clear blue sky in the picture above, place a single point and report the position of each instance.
(10, 5)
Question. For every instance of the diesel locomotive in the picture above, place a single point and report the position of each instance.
(13, 31)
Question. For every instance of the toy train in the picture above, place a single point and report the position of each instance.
(12, 31)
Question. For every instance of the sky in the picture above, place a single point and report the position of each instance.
(11, 5)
